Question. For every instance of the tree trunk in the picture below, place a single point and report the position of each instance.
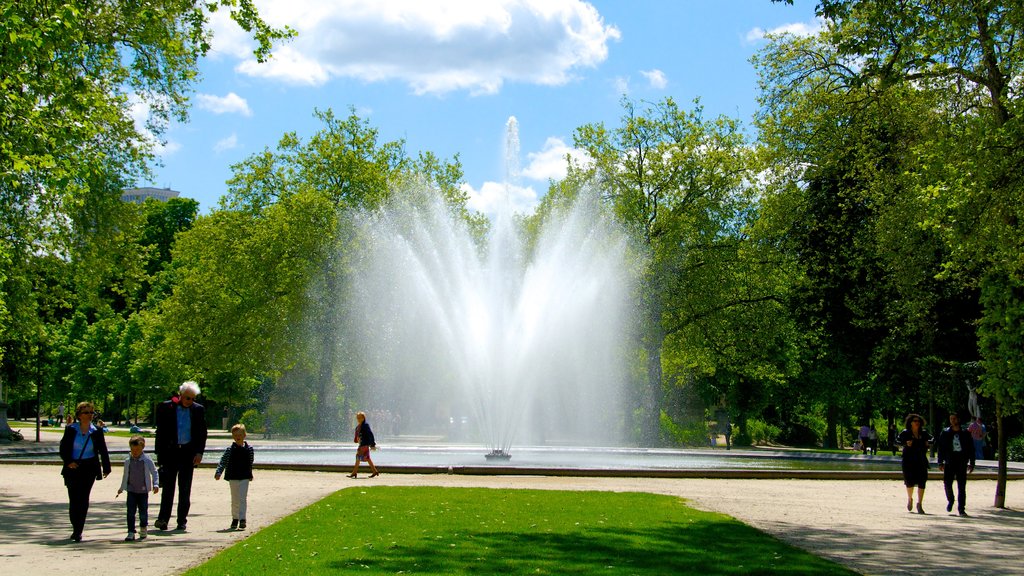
(650, 431)
(1000, 501)
(325, 424)
(831, 417)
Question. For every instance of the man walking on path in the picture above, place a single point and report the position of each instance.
(180, 443)
(956, 459)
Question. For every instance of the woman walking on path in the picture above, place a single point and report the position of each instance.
(82, 448)
(915, 441)
(364, 437)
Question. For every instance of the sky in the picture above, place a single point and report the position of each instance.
(446, 75)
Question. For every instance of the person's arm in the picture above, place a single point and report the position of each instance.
(101, 450)
(969, 446)
(67, 445)
(225, 459)
(153, 474)
(199, 431)
(124, 478)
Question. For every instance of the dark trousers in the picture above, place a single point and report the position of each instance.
(176, 467)
(79, 487)
(958, 472)
(138, 501)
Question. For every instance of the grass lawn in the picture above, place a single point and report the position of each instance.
(429, 530)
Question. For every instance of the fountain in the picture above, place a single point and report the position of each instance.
(524, 340)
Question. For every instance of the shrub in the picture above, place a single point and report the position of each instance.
(761, 432)
(1015, 449)
(695, 434)
(253, 421)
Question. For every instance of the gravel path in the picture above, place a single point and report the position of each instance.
(862, 524)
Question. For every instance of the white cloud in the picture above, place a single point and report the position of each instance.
(491, 197)
(622, 86)
(434, 46)
(230, 104)
(549, 163)
(656, 78)
(226, 143)
(800, 29)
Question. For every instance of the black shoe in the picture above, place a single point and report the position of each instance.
(963, 513)
(949, 507)
(920, 510)
(234, 524)
(76, 537)
(241, 524)
(130, 537)
(180, 527)
(160, 524)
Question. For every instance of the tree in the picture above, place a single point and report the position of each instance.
(681, 185)
(966, 57)
(70, 73)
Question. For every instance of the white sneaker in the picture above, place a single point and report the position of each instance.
(143, 532)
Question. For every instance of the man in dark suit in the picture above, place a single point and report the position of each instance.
(180, 443)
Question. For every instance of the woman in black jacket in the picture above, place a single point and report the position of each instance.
(84, 452)
(915, 441)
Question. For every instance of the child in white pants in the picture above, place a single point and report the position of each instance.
(237, 462)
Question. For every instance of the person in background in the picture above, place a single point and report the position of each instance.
(977, 430)
(86, 460)
(237, 462)
(140, 477)
(364, 437)
(873, 440)
(956, 459)
(180, 442)
(915, 441)
(865, 431)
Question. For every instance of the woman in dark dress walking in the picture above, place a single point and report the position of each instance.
(915, 441)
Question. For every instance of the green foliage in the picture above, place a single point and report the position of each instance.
(386, 530)
(1015, 449)
(691, 434)
(762, 433)
(253, 421)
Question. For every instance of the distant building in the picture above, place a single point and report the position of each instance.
(139, 195)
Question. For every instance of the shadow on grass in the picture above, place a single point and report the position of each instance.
(698, 547)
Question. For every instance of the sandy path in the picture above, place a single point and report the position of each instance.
(862, 524)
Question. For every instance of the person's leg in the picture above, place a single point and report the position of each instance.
(142, 501)
(132, 504)
(168, 479)
(243, 495)
(235, 504)
(920, 499)
(948, 474)
(373, 469)
(185, 472)
(961, 489)
(910, 498)
(81, 488)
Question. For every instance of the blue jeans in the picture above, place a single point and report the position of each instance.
(140, 501)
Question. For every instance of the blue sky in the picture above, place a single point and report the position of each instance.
(446, 75)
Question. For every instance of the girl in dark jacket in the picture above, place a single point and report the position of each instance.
(84, 452)
(364, 437)
(915, 441)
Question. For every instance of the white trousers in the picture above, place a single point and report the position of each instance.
(239, 491)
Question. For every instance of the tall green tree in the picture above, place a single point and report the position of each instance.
(680, 183)
(967, 54)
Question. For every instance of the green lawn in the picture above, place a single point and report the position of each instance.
(428, 530)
